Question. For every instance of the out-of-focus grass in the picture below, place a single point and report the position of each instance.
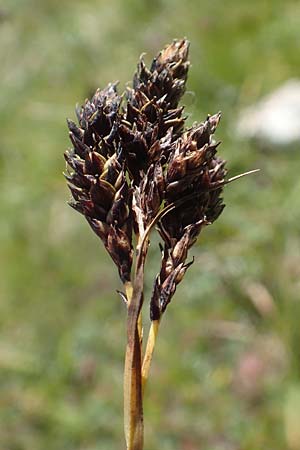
(225, 375)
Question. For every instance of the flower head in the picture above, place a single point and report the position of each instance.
(133, 158)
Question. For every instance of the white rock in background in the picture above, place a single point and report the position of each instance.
(275, 119)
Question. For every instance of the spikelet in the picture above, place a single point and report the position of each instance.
(97, 179)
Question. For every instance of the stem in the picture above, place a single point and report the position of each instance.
(128, 290)
(140, 329)
(133, 402)
(149, 352)
(133, 398)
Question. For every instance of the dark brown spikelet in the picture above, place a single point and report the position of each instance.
(97, 180)
(152, 115)
(194, 180)
(167, 76)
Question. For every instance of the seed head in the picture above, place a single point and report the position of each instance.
(132, 160)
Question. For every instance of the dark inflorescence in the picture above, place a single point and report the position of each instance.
(132, 157)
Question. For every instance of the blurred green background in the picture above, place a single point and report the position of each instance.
(226, 372)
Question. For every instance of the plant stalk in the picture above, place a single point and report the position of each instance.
(133, 384)
(149, 352)
(133, 401)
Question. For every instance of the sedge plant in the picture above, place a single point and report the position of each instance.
(135, 167)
